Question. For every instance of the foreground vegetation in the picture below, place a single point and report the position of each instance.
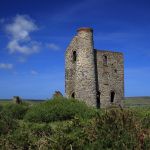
(62, 124)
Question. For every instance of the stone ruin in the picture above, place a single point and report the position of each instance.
(57, 94)
(93, 76)
(17, 100)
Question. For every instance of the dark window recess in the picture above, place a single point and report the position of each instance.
(74, 56)
(105, 60)
(98, 99)
(112, 96)
(115, 70)
(73, 95)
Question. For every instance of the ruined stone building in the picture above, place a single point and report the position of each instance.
(91, 75)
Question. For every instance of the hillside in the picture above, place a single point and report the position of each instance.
(67, 124)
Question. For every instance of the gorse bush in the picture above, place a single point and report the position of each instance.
(58, 110)
(146, 121)
(17, 111)
(110, 129)
(1, 107)
(143, 114)
(7, 123)
(8, 116)
(26, 136)
(117, 129)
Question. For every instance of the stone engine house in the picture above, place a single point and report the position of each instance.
(91, 75)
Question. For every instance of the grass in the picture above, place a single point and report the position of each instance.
(137, 101)
(5, 102)
(30, 101)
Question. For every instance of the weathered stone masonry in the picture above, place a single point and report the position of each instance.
(93, 76)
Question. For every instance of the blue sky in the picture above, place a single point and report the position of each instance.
(34, 35)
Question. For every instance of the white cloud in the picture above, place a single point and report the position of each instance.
(53, 46)
(6, 66)
(33, 72)
(19, 31)
(16, 46)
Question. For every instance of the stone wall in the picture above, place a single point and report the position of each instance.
(110, 77)
(93, 76)
(85, 84)
(70, 68)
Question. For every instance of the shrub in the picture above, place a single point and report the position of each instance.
(26, 136)
(117, 129)
(1, 107)
(8, 116)
(112, 129)
(143, 114)
(17, 111)
(58, 110)
(21, 138)
(7, 123)
(146, 121)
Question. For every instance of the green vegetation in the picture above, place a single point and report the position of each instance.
(67, 124)
(137, 101)
(5, 102)
(58, 109)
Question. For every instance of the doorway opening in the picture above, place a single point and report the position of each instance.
(112, 96)
(73, 95)
(98, 99)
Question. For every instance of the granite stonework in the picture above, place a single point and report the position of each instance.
(93, 76)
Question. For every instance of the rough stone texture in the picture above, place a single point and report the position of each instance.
(70, 68)
(57, 94)
(91, 75)
(17, 100)
(110, 77)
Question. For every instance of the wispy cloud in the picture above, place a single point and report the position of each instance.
(22, 59)
(19, 31)
(53, 46)
(6, 66)
(34, 72)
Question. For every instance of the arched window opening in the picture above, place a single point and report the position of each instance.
(98, 99)
(105, 60)
(74, 56)
(112, 96)
(73, 95)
